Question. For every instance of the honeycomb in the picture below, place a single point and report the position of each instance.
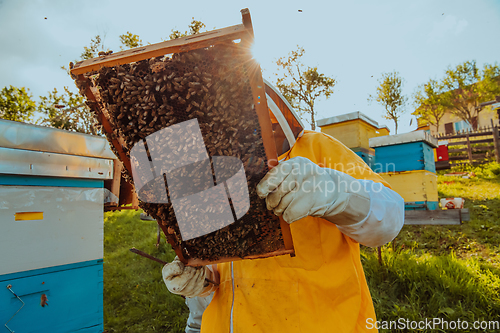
(212, 86)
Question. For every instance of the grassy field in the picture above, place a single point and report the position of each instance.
(447, 272)
(135, 297)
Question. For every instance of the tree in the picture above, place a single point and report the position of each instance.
(67, 111)
(96, 46)
(16, 104)
(302, 85)
(390, 96)
(194, 28)
(429, 103)
(467, 87)
(130, 40)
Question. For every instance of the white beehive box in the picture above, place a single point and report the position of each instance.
(51, 219)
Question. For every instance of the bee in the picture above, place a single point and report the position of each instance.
(44, 301)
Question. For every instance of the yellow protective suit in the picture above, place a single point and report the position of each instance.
(321, 289)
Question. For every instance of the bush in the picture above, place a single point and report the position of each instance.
(487, 170)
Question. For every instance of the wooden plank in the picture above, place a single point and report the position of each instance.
(463, 143)
(260, 102)
(459, 136)
(117, 178)
(464, 214)
(474, 149)
(184, 44)
(100, 112)
(496, 142)
(469, 150)
(433, 217)
(464, 157)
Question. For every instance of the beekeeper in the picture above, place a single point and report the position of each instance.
(333, 202)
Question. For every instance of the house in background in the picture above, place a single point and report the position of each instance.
(450, 123)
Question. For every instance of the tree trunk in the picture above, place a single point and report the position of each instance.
(396, 126)
(313, 122)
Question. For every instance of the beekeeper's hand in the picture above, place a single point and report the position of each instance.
(187, 281)
(298, 188)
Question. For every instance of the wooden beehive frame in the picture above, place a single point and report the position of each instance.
(243, 32)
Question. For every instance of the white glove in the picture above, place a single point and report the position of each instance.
(187, 281)
(298, 188)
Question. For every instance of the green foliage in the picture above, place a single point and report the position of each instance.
(16, 104)
(67, 111)
(92, 51)
(194, 28)
(482, 171)
(467, 87)
(390, 96)
(302, 85)
(428, 101)
(135, 297)
(75, 115)
(130, 40)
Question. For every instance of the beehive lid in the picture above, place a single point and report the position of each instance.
(348, 117)
(416, 136)
(17, 135)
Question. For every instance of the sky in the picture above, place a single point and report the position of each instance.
(353, 42)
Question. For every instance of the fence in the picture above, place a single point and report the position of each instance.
(474, 147)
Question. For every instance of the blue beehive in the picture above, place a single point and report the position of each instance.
(51, 217)
(404, 152)
(366, 157)
(406, 162)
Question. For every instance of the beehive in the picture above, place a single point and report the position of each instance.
(418, 188)
(51, 216)
(209, 85)
(352, 129)
(404, 152)
(367, 155)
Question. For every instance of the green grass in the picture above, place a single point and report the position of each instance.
(135, 297)
(447, 272)
(418, 287)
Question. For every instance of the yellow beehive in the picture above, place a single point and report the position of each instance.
(352, 129)
(413, 186)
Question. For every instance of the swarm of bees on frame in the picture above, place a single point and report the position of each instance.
(209, 84)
